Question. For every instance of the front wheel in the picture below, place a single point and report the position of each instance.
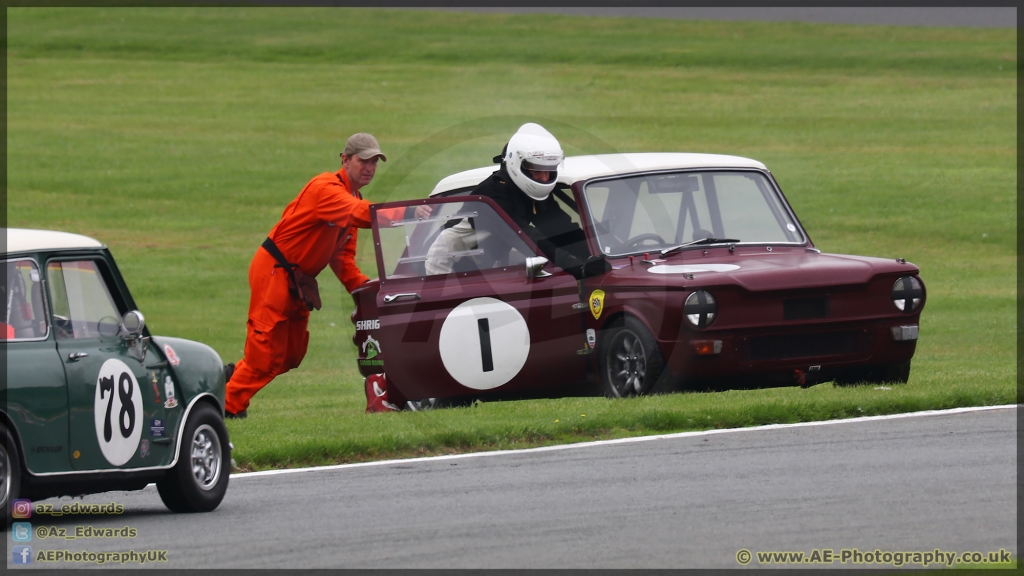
(11, 473)
(199, 480)
(630, 360)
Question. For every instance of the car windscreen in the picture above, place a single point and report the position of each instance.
(651, 212)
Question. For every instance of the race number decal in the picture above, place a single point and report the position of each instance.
(117, 412)
(484, 343)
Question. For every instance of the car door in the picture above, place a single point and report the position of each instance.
(35, 392)
(117, 398)
(459, 312)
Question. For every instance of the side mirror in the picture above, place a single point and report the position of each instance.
(535, 267)
(132, 324)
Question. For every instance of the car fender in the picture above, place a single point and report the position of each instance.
(658, 307)
(197, 368)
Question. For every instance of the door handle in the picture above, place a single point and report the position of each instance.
(392, 297)
(76, 356)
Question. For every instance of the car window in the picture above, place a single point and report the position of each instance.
(457, 237)
(25, 318)
(655, 211)
(81, 302)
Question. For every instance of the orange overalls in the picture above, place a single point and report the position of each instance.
(316, 229)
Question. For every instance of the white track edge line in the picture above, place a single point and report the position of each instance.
(628, 440)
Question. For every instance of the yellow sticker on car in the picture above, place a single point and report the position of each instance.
(597, 303)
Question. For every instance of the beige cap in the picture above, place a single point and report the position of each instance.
(363, 145)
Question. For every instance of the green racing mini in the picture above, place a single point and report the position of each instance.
(91, 401)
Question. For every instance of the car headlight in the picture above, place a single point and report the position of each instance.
(907, 294)
(700, 309)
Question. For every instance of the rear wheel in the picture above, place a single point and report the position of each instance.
(199, 480)
(11, 473)
(889, 374)
(630, 360)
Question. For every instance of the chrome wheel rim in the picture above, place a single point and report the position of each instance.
(627, 364)
(206, 457)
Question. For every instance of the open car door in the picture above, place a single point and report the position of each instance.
(466, 307)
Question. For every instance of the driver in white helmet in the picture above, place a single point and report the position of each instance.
(522, 188)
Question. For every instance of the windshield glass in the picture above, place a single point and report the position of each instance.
(655, 212)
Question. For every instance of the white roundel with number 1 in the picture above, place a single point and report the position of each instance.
(117, 412)
(484, 343)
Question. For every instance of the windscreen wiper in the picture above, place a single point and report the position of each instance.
(708, 240)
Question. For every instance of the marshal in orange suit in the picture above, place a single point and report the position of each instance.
(318, 228)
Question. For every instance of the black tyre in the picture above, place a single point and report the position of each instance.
(11, 473)
(631, 361)
(199, 480)
(890, 374)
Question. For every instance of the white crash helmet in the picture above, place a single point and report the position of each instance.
(533, 148)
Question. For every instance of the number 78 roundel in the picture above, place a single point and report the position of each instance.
(117, 411)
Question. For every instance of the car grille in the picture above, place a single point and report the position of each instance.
(805, 308)
(779, 347)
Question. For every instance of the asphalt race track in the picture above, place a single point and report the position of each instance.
(915, 483)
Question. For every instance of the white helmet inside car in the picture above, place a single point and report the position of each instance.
(532, 148)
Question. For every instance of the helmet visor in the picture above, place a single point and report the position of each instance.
(541, 176)
(527, 165)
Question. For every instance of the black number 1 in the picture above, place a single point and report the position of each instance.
(485, 344)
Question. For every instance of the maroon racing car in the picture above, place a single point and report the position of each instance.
(713, 283)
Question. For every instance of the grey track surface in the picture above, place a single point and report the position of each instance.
(958, 16)
(943, 481)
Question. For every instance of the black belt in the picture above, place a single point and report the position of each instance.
(283, 262)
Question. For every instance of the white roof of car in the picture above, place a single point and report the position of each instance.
(576, 168)
(24, 240)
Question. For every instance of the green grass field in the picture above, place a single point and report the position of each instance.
(177, 136)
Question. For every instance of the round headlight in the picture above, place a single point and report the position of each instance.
(907, 294)
(700, 309)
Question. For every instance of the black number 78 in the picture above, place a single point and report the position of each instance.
(124, 391)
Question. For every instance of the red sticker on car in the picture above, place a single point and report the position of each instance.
(171, 356)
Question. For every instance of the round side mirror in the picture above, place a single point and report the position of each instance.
(133, 323)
